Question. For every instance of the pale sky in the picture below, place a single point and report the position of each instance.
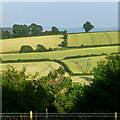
(60, 14)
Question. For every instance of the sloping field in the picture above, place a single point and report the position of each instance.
(82, 79)
(61, 54)
(97, 38)
(42, 68)
(15, 44)
(83, 65)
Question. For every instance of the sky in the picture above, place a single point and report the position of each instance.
(60, 14)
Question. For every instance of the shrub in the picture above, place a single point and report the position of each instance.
(26, 49)
(40, 48)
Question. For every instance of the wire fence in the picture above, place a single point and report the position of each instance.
(60, 116)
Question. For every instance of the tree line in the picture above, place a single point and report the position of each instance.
(37, 30)
(57, 92)
(28, 31)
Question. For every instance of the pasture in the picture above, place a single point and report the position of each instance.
(95, 38)
(42, 68)
(49, 41)
(61, 54)
(83, 65)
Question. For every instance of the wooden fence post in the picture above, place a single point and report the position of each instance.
(30, 115)
(46, 114)
(115, 115)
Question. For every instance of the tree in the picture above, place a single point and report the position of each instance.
(65, 35)
(26, 49)
(55, 30)
(41, 48)
(103, 94)
(6, 34)
(35, 30)
(87, 26)
(20, 30)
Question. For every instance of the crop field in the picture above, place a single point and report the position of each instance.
(61, 54)
(83, 65)
(97, 38)
(82, 79)
(42, 68)
(15, 44)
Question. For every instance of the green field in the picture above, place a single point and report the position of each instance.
(42, 68)
(83, 65)
(15, 44)
(97, 38)
(61, 54)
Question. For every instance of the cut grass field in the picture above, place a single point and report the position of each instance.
(50, 41)
(83, 65)
(61, 54)
(95, 38)
(82, 79)
(42, 68)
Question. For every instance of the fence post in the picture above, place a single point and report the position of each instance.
(30, 115)
(46, 114)
(115, 115)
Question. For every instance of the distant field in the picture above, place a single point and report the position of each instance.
(42, 68)
(61, 54)
(82, 79)
(14, 44)
(83, 65)
(97, 38)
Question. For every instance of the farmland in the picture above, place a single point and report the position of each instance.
(97, 38)
(61, 54)
(82, 65)
(42, 68)
(15, 44)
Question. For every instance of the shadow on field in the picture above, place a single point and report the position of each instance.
(86, 78)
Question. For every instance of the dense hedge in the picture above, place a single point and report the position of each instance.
(89, 46)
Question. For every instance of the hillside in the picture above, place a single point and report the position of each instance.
(52, 41)
(95, 38)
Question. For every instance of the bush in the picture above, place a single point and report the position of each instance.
(64, 43)
(26, 49)
(40, 48)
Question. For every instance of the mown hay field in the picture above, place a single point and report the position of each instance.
(61, 54)
(42, 68)
(95, 38)
(49, 41)
(83, 65)
(82, 79)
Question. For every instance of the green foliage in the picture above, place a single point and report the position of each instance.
(22, 94)
(40, 48)
(26, 49)
(64, 43)
(55, 30)
(35, 30)
(65, 34)
(87, 26)
(103, 94)
(6, 34)
(20, 30)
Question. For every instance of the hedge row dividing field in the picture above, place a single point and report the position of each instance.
(95, 38)
(61, 54)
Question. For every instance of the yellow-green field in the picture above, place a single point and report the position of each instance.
(15, 44)
(61, 54)
(42, 68)
(82, 79)
(83, 65)
(97, 38)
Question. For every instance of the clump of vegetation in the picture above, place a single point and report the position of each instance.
(87, 26)
(40, 48)
(65, 35)
(26, 49)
